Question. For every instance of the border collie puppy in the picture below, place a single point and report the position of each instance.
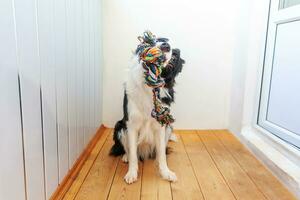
(138, 135)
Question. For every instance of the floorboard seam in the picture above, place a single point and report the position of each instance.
(171, 190)
(92, 163)
(142, 173)
(240, 165)
(201, 190)
(113, 178)
(216, 165)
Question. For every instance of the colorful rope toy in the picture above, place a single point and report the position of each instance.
(152, 59)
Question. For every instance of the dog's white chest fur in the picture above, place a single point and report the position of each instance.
(140, 105)
(140, 95)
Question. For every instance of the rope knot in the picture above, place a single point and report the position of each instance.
(152, 59)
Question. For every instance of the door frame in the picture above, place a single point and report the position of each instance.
(276, 17)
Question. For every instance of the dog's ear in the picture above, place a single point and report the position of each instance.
(182, 61)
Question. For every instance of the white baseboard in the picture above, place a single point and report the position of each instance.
(280, 158)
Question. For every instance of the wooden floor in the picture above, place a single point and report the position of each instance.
(209, 165)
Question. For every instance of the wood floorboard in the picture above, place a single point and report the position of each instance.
(98, 183)
(187, 186)
(120, 189)
(263, 178)
(72, 192)
(235, 176)
(209, 177)
(153, 187)
(210, 165)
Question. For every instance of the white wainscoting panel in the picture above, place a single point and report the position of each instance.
(62, 76)
(48, 92)
(92, 64)
(51, 91)
(86, 64)
(30, 83)
(79, 74)
(71, 64)
(12, 182)
(98, 56)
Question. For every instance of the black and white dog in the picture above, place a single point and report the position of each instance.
(138, 135)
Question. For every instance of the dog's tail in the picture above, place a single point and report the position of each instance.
(118, 149)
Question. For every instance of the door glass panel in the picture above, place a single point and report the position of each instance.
(288, 3)
(284, 96)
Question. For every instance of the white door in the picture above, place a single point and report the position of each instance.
(279, 110)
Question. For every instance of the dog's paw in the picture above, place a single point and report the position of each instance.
(131, 176)
(125, 158)
(168, 175)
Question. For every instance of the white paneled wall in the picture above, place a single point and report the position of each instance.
(51, 91)
(48, 95)
(11, 170)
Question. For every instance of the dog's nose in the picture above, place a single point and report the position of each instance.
(165, 47)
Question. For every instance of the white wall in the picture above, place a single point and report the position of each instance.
(203, 30)
(241, 44)
(51, 96)
(248, 63)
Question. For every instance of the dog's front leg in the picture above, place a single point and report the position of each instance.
(132, 173)
(161, 157)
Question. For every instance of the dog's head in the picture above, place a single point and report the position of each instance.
(173, 63)
(172, 68)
